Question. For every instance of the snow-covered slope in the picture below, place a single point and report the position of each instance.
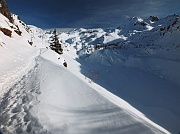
(52, 99)
(15, 52)
(39, 95)
(138, 61)
(71, 105)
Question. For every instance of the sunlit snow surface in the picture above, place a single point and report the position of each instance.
(114, 90)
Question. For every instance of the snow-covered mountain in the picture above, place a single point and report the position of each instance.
(118, 81)
(138, 61)
(150, 35)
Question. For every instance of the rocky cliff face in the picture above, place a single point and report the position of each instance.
(5, 10)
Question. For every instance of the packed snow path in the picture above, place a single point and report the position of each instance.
(15, 105)
(50, 99)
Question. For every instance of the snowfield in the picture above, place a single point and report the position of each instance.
(57, 101)
(118, 81)
(70, 105)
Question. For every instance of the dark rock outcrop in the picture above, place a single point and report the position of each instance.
(153, 18)
(6, 31)
(5, 10)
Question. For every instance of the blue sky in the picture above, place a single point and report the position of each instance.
(88, 13)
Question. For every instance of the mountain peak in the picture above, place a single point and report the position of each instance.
(153, 18)
(136, 19)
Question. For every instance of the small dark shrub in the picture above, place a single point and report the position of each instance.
(65, 64)
(30, 42)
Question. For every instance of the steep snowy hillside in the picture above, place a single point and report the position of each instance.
(19, 44)
(138, 61)
(14, 51)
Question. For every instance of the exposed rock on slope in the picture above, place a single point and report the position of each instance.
(5, 10)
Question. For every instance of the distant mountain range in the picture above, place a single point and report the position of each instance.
(153, 36)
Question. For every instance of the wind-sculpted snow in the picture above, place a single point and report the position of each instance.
(69, 105)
